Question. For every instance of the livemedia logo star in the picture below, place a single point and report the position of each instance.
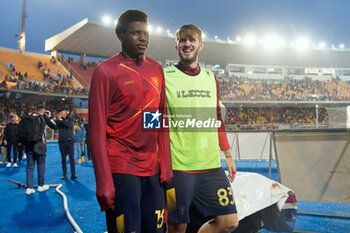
(151, 120)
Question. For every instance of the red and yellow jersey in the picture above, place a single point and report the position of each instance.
(120, 90)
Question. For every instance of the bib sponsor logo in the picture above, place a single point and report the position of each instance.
(193, 93)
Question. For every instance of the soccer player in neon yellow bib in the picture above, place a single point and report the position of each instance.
(199, 179)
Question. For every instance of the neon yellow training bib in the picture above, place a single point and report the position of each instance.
(192, 106)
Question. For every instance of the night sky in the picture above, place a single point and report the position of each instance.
(320, 20)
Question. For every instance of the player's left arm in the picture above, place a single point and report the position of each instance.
(223, 143)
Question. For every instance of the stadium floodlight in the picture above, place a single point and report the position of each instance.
(302, 43)
(159, 29)
(216, 37)
(322, 45)
(273, 41)
(341, 46)
(107, 20)
(203, 35)
(249, 40)
(238, 39)
(150, 28)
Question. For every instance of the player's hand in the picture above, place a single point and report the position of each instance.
(105, 196)
(5, 142)
(230, 164)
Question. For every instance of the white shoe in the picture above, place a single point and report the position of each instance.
(43, 188)
(30, 191)
(24, 155)
(8, 165)
(15, 165)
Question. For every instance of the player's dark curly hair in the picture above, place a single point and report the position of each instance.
(131, 15)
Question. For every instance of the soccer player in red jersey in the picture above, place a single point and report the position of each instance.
(131, 164)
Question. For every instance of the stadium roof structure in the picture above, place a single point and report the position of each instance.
(93, 39)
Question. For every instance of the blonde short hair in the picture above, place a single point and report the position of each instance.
(188, 29)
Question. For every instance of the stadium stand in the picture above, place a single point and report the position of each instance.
(286, 89)
(3, 71)
(274, 118)
(82, 73)
(50, 66)
(50, 63)
(22, 64)
(231, 88)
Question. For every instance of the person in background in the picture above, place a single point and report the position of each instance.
(32, 156)
(87, 150)
(87, 142)
(65, 124)
(10, 140)
(3, 147)
(20, 152)
(131, 164)
(79, 138)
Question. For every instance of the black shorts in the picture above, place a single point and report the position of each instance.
(139, 205)
(210, 192)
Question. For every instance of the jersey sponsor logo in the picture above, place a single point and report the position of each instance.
(193, 93)
(151, 120)
(170, 71)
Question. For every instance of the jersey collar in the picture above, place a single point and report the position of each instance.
(189, 71)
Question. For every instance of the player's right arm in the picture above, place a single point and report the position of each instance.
(99, 100)
(163, 139)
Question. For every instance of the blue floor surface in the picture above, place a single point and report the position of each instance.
(43, 212)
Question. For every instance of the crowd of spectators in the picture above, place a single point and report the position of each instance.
(236, 118)
(85, 66)
(52, 82)
(13, 107)
(59, 82)
(273, 118)
(89, 64)
(233, 88)
(237, 88)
